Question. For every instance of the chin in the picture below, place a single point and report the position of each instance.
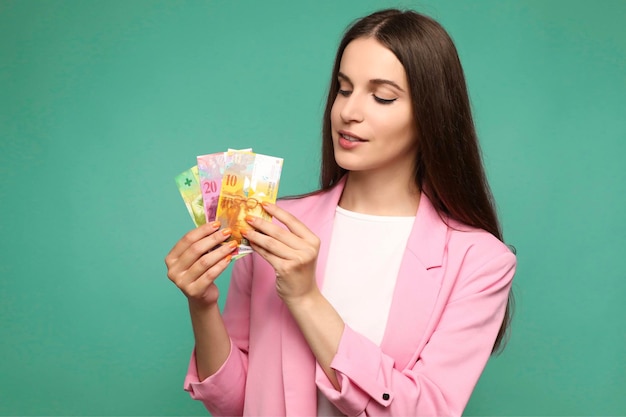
(350, 166)
(347, 163)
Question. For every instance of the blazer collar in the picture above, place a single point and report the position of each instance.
(426, 242)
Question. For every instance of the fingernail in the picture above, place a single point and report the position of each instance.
(228, 258)
(244, 232)
(249, 218)
(215, 224)
(232, 244)
(227, 231)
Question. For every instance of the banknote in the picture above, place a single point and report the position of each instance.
(211, 171)
(188, 183)
(249, 179)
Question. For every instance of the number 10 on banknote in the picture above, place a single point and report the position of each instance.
(249, 180)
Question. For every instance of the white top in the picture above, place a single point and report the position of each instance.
(363, 263)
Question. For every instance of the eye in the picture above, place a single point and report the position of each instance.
(384, 100)
(344, 93)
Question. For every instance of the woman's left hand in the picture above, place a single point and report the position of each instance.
(292, 252)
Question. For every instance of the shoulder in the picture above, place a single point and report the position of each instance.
(479, 253)
(467, 238)
(438, 240)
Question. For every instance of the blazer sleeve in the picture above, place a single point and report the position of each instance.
(223, 393)
(447, 369)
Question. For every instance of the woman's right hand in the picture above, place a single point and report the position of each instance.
(197, 260)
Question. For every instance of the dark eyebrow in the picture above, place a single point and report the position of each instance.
(376, 81)
(344, 77)
(379, 81)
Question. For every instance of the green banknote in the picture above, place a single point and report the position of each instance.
(188, 183)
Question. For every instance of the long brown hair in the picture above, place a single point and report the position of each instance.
(448, 163)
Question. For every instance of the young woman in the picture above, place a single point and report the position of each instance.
(385, 292)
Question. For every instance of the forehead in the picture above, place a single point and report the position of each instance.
(366, 59)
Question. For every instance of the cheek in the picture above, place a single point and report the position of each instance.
(404, 128)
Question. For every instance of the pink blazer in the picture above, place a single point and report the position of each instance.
(447, 307)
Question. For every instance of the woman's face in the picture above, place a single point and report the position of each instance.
(372, 118)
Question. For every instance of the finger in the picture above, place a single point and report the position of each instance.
(207, 262)
(273, 230)
(269, 244)
(190, 238)
(272, 259)
(198, 249)
(293, 224)
(201, 282)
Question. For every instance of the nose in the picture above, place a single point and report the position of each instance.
(351, 109)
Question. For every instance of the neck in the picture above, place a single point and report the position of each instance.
(379, 195)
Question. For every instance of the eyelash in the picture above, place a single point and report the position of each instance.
(384, 100)
(346, 93)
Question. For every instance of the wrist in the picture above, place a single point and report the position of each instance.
(199, 307)
(303, 301)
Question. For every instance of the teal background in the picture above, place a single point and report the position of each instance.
(103, 102)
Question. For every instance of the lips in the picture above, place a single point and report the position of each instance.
(350, 137)
(349, 141)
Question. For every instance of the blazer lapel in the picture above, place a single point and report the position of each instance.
(417, 286)
(326, 212)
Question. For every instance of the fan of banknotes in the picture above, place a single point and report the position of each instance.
(228, 186)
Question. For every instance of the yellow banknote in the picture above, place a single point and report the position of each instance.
(249, 180)
(211, 171)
